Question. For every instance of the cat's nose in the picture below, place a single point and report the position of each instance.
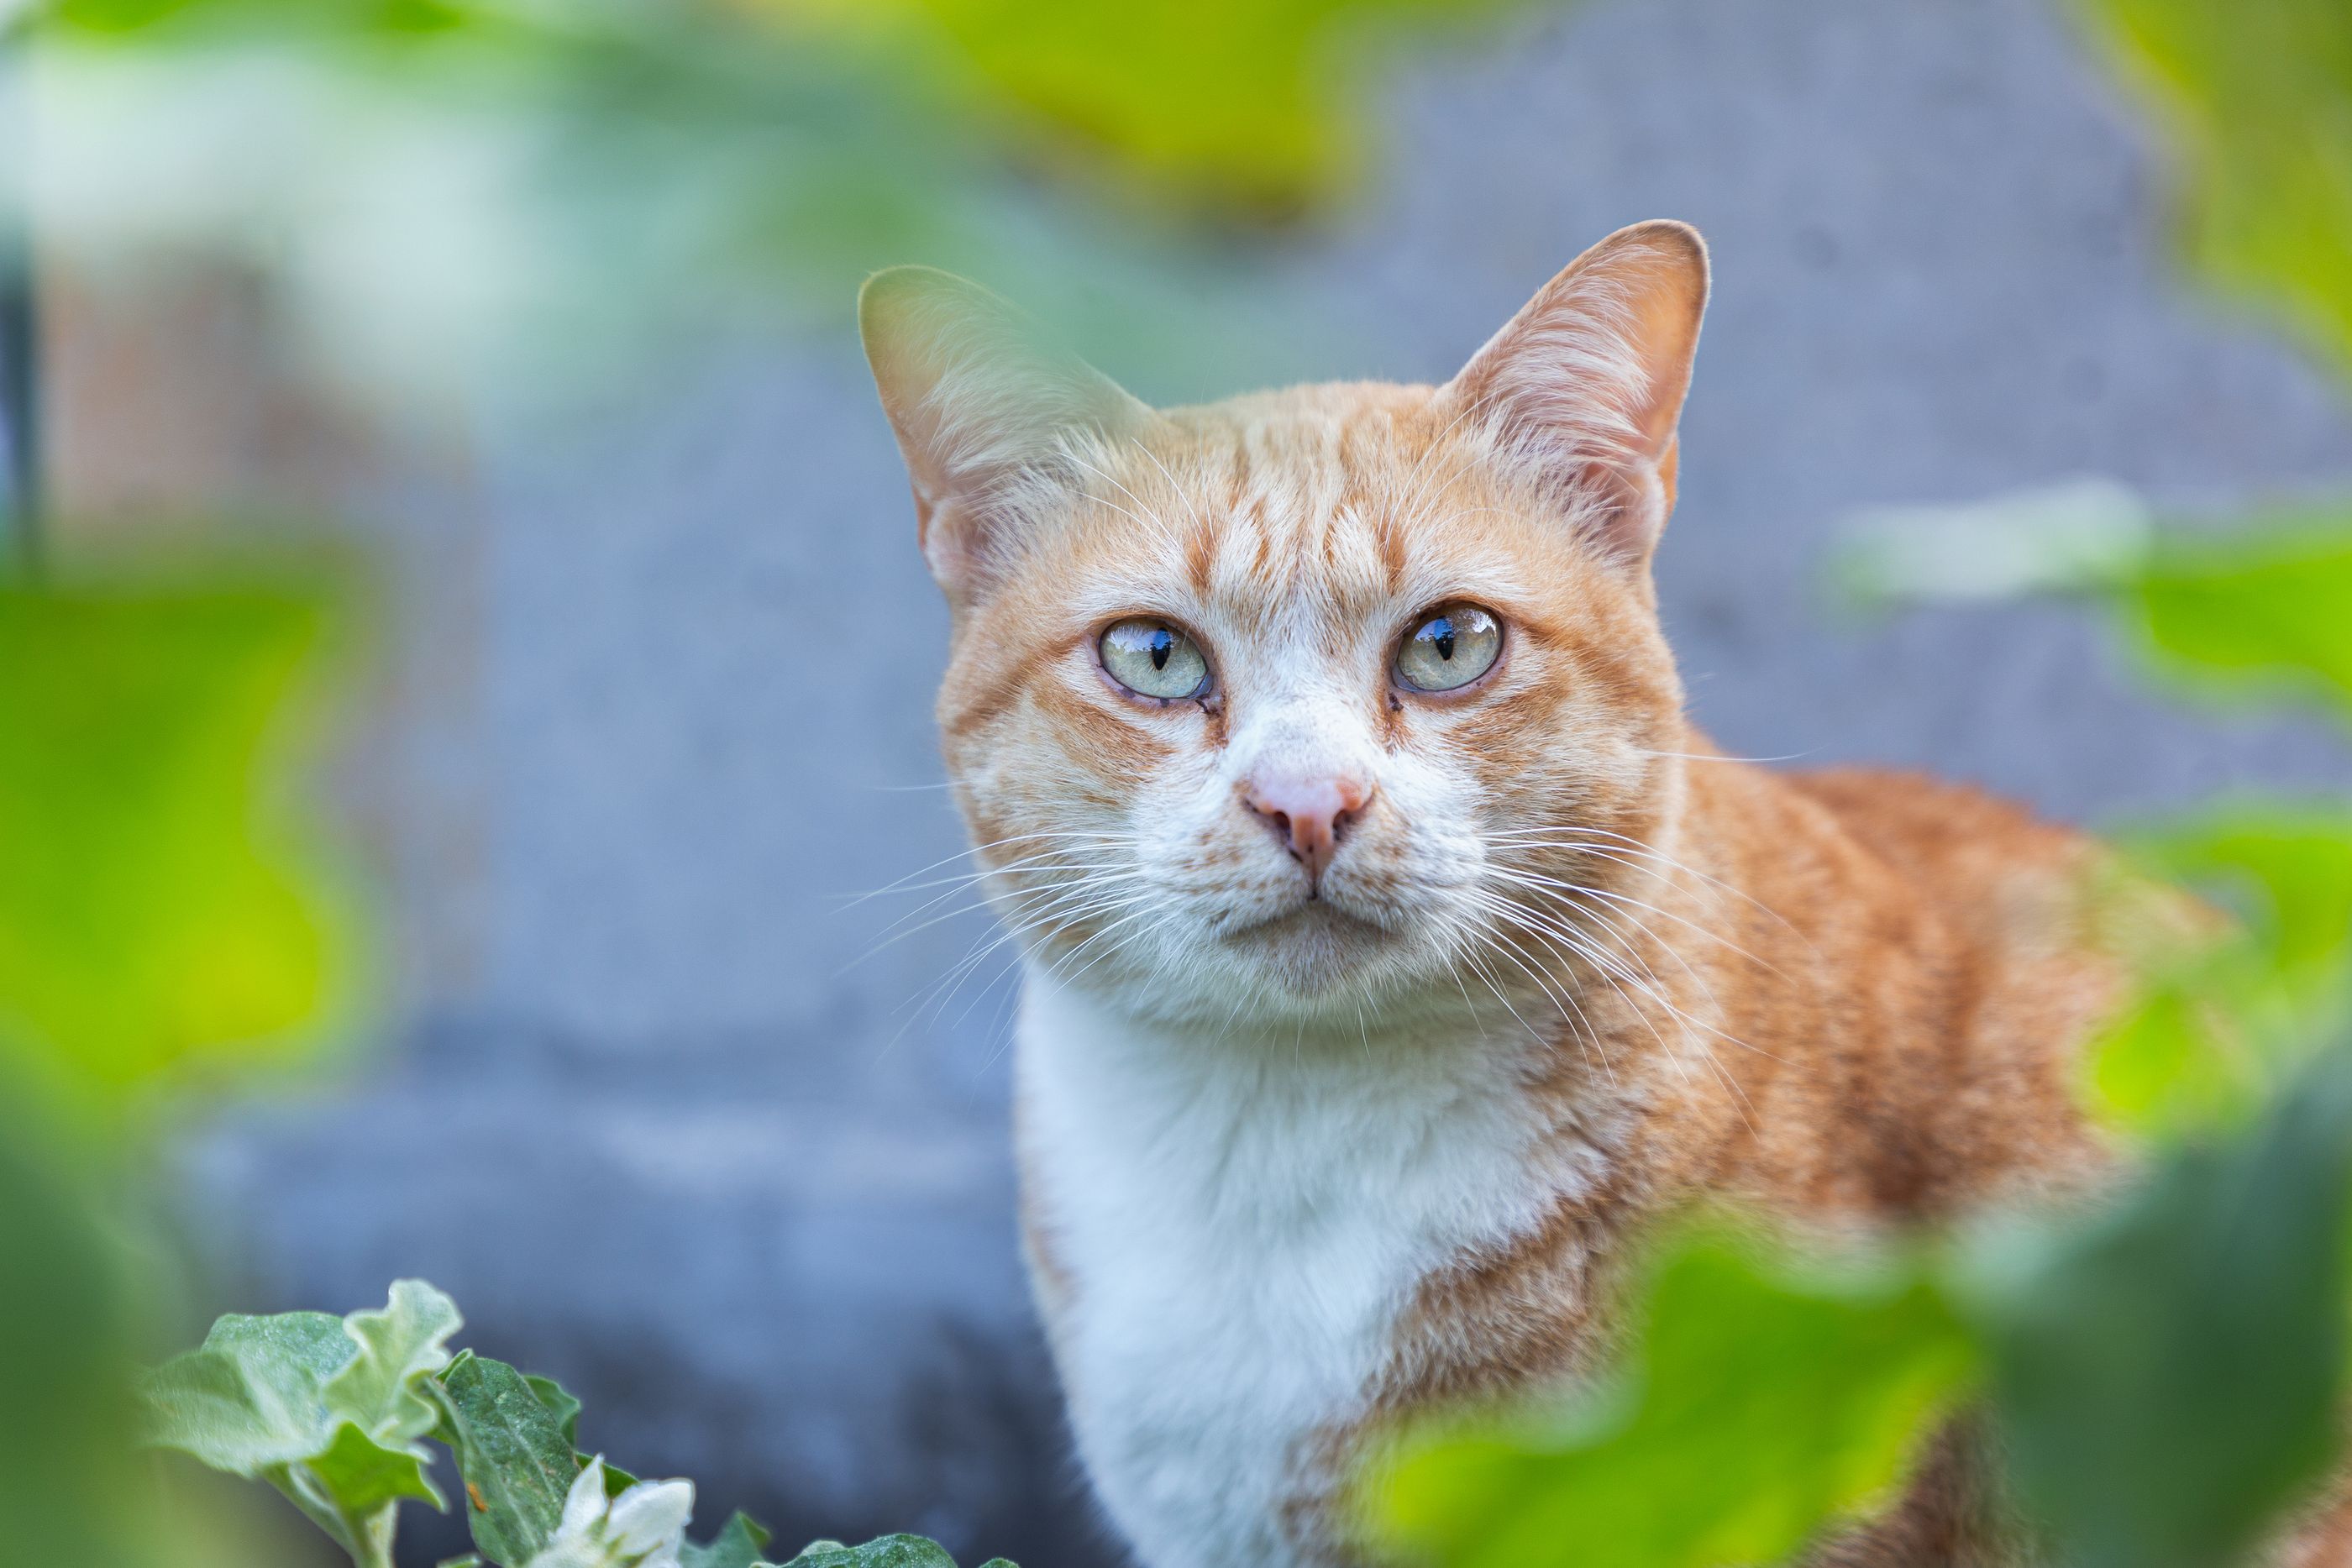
(1310, 815)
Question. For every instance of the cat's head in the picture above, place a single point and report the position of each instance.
(1290, 705)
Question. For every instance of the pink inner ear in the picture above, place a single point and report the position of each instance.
(1586, 382)
(979, 398)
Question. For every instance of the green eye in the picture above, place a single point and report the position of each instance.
(1152, 659)
(1451, 648)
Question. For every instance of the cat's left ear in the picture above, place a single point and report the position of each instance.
(1585, 384)
(987, 408)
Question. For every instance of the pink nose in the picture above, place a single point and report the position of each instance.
(1310, 815)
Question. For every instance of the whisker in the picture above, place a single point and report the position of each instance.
(1487, 977)
(1576, 834)
(1564, 1000)
(1553, 936)
(992, 845)
(1150, 520)
(952, 981)
(894, 935)
(1715, 757)
(1182, 494)
(1531, 879)
(1612, 968)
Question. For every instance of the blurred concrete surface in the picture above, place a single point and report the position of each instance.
(663, 700)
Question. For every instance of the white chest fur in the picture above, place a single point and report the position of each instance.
(1241, 1223)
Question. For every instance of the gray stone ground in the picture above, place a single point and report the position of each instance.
(754, 1203)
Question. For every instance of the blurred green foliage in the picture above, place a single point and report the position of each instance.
(524, 199)
(2261, 613)
(154, 910)
(2250, 100)
(1229, 107)
(1239, 107)
(68, 1482)
(1768, 1398)
(2169, 1375)
(158, 921)
(2228, 1009)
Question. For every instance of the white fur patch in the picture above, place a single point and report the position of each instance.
(1242, 1221)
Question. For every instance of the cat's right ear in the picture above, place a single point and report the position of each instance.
(1585, 384)
(986, 411)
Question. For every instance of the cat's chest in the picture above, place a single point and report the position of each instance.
(1238, 1235)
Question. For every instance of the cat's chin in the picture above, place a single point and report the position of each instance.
(1317, 949)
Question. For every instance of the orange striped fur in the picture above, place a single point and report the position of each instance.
(1307, 1145)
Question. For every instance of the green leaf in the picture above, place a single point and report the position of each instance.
(2252, 96)
(2225, 1012)
(1233, 101)
(560, 1404)
(362, 1475)
(735, 1546)
(889, 1552)
(2262, 609)
(153, 907)
(566, 1408)
(2269, 610)
(2166, 1377)
(1765, 1407)
(298, 1388)
(379, 1389)
(2287, 870)
(323, 1408)
(249, 1398)
(517, 1464)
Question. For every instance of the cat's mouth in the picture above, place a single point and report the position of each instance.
(1309, 914)
(1313, 944)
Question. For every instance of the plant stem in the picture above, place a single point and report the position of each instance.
(376, 1538)
(367, 1541)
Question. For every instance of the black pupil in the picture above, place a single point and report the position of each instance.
(1162, 644)
(1440, 632)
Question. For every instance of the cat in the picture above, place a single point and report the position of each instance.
(1394, 946)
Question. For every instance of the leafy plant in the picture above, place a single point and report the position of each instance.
(1770, 1395)
(332, 1411)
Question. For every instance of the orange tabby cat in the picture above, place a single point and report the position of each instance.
(1393, 943)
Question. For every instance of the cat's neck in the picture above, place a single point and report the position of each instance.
(1224, 1228)
(1276, 1121)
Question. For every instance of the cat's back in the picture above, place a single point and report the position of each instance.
(1936, 969)
(1971, 854)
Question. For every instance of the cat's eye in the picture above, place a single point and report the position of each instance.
(1153, 659)
(1450, 649)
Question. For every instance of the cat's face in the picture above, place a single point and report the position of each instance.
(1289, 706)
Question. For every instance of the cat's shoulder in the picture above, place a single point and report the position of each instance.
(1916, 821)
(2021, 892)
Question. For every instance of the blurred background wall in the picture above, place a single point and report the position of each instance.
(651, 703)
